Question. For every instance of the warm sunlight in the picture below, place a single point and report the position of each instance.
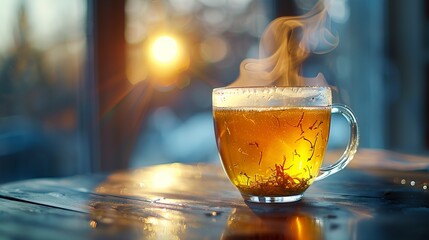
(165, 49)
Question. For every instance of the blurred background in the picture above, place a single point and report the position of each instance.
(91, 85)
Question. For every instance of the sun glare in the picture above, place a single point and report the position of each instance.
(164, 178)
(165, 49)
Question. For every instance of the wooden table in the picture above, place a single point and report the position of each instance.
(177, 201)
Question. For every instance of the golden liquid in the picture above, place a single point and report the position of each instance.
(272, 151)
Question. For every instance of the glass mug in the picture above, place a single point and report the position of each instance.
(272, 140)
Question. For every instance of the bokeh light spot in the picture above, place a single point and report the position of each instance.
(214, 49)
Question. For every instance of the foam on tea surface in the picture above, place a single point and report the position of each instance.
(267, 97)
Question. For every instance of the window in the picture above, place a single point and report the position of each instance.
(41, 64)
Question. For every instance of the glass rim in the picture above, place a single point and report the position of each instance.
(269, 87)
(272, 96)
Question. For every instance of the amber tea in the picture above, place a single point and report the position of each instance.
(272, 140)
(272, 151)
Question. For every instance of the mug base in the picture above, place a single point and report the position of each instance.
(279, 199)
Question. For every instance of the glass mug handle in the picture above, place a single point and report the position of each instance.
(352, 146)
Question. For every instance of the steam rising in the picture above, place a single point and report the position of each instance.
(284, 46)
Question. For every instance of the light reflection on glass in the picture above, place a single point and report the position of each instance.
(243, 223)
(298, 226)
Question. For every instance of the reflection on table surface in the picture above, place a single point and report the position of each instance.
(177, 201)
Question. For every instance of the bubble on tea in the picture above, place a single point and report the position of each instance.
(284, 46)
